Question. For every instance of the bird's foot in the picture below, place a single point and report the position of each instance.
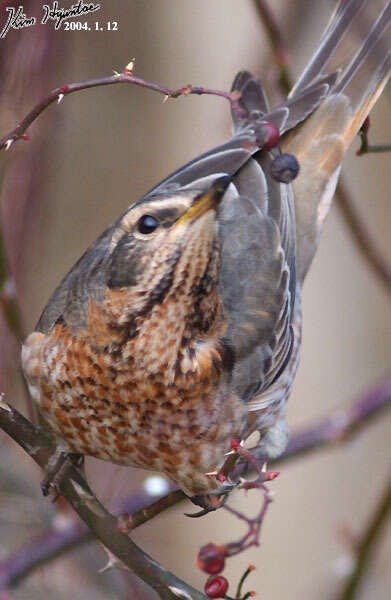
(249, 460)
(232, 474)
(212, 501)
(57, 470)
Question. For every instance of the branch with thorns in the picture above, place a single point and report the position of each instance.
(127, 76)
(102, 524)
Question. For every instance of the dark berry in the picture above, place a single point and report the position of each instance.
(284, 168)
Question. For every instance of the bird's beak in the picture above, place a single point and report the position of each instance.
(207, 200)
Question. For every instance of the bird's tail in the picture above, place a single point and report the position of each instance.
(357, 45)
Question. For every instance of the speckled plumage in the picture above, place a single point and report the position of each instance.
(151, 396)
(159, 348)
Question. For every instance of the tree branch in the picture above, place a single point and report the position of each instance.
(338, 428)
(102, 524)
(53, 543)
(126, 76)
(276, 41)
(343, 424)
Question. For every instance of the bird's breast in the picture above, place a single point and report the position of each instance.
(110, 405)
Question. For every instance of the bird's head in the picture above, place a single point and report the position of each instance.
(164, 264)
(166, 242)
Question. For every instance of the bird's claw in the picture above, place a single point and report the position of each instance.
(212, 501)
(200, 513)
(57, 470)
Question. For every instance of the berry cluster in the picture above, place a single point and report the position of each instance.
(211, 560)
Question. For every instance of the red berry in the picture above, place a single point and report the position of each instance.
(210, 559)
(268, 135)
(216, 587)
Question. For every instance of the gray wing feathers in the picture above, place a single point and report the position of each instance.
(288, 114)
(303, 104)
(255, 277)
(253, 97)
(227, 158)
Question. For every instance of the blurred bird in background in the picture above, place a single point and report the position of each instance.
(179, 329)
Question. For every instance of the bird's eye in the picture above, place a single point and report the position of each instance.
(147, 224)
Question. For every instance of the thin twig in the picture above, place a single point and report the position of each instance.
(366, 147)
(338, 428)
(103, 525)
(368, 543)
(137, 509)
(343, 424)
(254, 525)
(276, 41)
(377, 149)
(126, 76)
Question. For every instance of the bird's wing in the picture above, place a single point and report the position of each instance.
(356, 50)
(287, 115)
(69, 302)
(257, 278)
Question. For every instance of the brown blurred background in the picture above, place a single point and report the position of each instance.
(100, 150)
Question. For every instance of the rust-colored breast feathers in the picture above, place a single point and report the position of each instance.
(144, 393)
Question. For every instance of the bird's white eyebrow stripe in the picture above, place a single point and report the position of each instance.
(164, 204)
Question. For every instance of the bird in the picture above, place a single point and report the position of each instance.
(179, 329)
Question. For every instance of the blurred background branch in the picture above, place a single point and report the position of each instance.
(368, 543)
